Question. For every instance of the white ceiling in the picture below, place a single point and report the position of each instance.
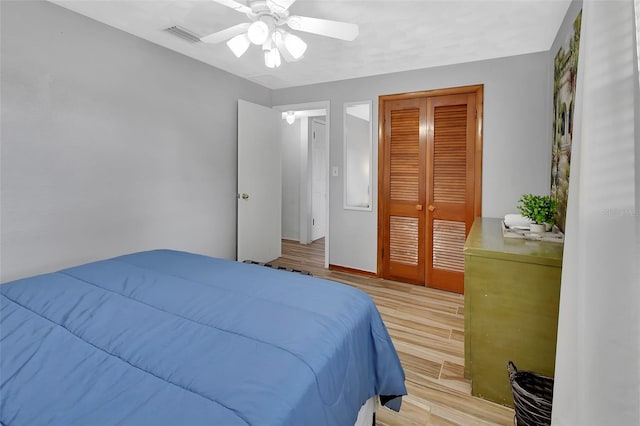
(394, 35)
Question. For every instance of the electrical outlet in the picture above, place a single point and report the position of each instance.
(334, 171)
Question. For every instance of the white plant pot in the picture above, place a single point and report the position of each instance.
(538, 228)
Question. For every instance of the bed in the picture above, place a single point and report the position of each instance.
(171, 338)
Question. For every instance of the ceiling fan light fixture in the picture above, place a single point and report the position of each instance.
(265, 27)
(290, 117)
(239, 44)
(272, 58)
(258, 32)
(295, 45)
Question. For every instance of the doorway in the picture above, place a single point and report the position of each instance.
(430, 184)
(305, 173)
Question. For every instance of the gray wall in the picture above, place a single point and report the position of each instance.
(637, 117)
(110, 144)
(516, 129)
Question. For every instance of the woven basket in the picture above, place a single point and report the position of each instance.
(532, 396)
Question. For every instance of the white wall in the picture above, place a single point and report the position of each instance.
(517, 138)
(291, 148)
(305, 180)
(599, 321)
(110, 144)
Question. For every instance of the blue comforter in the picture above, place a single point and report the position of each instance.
(172, 338)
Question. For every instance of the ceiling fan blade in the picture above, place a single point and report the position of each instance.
(226, 34)
(335, 29)
(234, 5)
(280, 5)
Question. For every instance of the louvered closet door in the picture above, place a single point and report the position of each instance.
(403, 190)
(450, 187)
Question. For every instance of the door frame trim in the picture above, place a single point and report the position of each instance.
(315, 121)
(478, 89)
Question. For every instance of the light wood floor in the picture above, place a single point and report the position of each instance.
(427, 329)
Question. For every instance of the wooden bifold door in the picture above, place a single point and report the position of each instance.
(430, 160)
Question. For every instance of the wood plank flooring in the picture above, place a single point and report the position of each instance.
(427, 329)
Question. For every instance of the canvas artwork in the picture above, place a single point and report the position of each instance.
(564, 93)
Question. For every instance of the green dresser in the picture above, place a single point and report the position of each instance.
(512, 292)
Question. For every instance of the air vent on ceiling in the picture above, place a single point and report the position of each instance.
(183, 33)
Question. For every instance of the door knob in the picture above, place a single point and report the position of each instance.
(245, 196)
(418, 206)
(432, 208)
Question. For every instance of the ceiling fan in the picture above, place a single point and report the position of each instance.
(268, 17)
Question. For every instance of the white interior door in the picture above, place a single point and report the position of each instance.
(259, 183)
(318, 179)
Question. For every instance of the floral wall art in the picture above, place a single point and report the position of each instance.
(564, 92)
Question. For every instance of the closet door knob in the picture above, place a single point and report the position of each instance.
(418, 206)
(431, 208)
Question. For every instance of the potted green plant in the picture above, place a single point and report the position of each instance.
(541, 209)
